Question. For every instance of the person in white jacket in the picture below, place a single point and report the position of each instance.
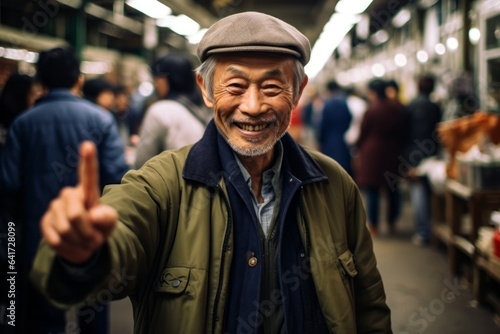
(176, 119)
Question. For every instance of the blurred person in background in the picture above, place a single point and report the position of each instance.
(243, 232)
(462, 99)
(100, 92)
(121, 112)
(357, 106)
(176, 119)
(335, 121)
(40, 158)
(311, 116)
(392, 91)
(424, 115)
(381, 142)
(18, 94)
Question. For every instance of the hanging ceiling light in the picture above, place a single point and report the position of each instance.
(401, 18)
(352, 7)
(181, 24)
(151, 8)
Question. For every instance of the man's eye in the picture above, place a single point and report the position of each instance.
(272, 89)
(235, 88)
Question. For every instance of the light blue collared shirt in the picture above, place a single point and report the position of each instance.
(271, 189)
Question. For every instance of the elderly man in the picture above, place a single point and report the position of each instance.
(242, 232)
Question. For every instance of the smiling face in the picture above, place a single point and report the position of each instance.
(252, 100)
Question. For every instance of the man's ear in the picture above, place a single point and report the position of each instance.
(206, 98)
(301, 90)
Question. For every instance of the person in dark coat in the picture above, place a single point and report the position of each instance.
(18, 95)
(380, 145)
(424, 115)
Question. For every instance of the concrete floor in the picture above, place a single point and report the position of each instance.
(422, 295)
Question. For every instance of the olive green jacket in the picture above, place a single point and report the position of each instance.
(172, 249)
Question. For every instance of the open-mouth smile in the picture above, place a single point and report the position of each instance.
(252, 127)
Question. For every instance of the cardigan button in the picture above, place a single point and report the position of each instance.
(252, 262)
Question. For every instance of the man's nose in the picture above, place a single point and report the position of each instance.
(252, 102)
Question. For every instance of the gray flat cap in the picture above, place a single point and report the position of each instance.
(253, 31)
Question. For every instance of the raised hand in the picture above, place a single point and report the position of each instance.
(76, 224)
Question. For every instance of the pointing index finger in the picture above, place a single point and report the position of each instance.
(88, 173)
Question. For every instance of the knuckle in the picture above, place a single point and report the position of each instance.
(65, 192)
(74, 213)
(54, 205)
(64, 230)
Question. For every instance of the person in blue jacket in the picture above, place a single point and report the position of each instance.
(40, 158)
(335, 121)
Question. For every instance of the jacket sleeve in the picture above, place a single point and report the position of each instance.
(124, 263)
(372, 312)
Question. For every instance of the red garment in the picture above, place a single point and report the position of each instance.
(296, 119)
(382, 139)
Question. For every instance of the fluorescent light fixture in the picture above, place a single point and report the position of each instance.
(196, 38)
(15, 54)
(400, 60)
(31, 57)
(440, 49)
(401, 18)
(333, 33)
(94, 67)
(422, 56)
(2, 51)
(452, 43)
(378, 70)
(152, 8)
(352, 7)
(182, 24)
(166, 21)
(380, 37)
(474, 35)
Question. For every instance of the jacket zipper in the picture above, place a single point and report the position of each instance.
(223, 256)
(301, 209)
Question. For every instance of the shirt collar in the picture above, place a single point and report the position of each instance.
(270, 174)
(204, 163)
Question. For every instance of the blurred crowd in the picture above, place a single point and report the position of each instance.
(43, 121)
(386, 142)
(380, 141)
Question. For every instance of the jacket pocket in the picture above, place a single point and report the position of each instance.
(348, 269)
(346, 260)
(174, 280)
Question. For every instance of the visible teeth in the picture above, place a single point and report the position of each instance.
(253, 127)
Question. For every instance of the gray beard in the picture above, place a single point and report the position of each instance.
(250, 152)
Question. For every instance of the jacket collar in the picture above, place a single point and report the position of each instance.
(204, 164)
(58, 94)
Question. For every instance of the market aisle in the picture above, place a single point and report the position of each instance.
(423, 297)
